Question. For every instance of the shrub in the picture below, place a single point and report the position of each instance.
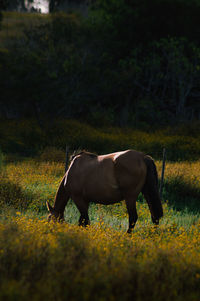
(13, 195)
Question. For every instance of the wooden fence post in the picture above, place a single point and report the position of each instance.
(66, 158)
(163, 173)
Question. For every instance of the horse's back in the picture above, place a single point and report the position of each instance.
(93, 179)
(108, 177)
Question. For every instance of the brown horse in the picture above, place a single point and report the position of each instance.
(108, 179)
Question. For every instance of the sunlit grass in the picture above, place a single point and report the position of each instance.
(29, 184)
(99, 262)
(40, 260)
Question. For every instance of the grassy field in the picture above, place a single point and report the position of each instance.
(41, 261)
(64, 262)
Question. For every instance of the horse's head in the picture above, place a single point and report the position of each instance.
(53, 214)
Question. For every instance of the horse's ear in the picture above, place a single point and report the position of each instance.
(50, 209)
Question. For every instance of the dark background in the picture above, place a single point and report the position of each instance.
(128, 62)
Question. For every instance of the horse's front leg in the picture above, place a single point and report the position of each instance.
(132, 212)
(83, 209)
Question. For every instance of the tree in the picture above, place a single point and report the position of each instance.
(128, 23)
(167, 74)
(14, 4)
(54, 4)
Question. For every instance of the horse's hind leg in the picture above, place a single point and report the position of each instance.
(132, 212)
(83, 209)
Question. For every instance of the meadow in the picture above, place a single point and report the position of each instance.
(40, 260)
(52, 261)
(64, 262)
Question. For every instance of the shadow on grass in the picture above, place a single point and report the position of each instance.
(12, 194)
(182, 196)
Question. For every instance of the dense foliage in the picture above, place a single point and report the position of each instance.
(19, 5)
(128, 62)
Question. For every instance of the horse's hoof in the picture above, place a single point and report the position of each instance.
(129, 231)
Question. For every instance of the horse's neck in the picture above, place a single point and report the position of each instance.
(61, 198)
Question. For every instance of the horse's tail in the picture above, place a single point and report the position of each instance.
(150, 188)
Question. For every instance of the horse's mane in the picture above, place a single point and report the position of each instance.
(77, 153)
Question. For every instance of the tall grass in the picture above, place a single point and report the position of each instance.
(40, 260)
(61, 261)
(30, 183)
(26, 137)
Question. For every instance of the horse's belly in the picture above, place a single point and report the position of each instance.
(103, 196)
(106, 202)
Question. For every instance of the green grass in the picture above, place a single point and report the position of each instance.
(40, 260)
(116, 217)
(27, 185)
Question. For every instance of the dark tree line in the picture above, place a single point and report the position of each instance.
(53, 4)
(13, 4)
(129, 61)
